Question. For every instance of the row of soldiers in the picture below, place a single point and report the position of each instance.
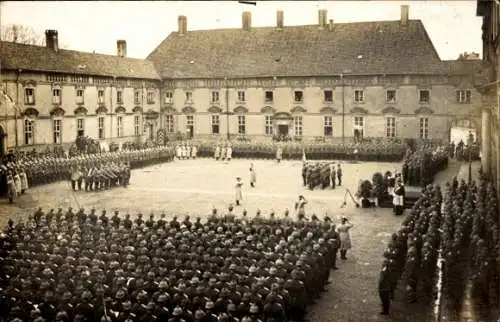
(186, 151)
(68, 266)
(101, 176)
(50, 169)
(412, 252)
(321, 174)
(420, 167)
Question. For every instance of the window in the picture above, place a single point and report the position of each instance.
(359, 126)
(29, 96)
(137, 96)
(80, 127)
(390, 96)
(169, 98)
(100, 127)
(269, 97)
(359, 96)
(189, 97)
(298, 96)
(190, 124)
(137, 125)
(151, 97)
(463, 96)
(424, 96)
(215, 97)
(241, 96)
(57, 131)
(169, 123)
(119, 126)
(56, 96)
(242, 124)
(100, 96)
(424, 128)
(119, 97)
(328, 96)
(269, 125)
(297, 122)
(390, 127)
(215, 124)
(328, 126)
(79, 96)
(28, 132)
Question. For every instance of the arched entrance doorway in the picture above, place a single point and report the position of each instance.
(282, 124)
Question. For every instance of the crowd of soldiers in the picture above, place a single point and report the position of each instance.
(48, 169)
(420, 167)
(321, 174)
(223, 152)
(100, 177)
(66, 266)
(459, 225)
(184, 151)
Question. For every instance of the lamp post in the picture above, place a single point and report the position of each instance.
(227, 109)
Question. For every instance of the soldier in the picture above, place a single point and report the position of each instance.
(238, 193)
(11, 188)
(279, 153)
(384, 286)
(332, 175)
(229, 152)
(339, 174)
(217, 152)
(304, 173)
(253, 176)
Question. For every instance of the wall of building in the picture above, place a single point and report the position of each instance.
(441, 110)
(43, 129)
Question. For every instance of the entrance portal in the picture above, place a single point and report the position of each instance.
(283, 129)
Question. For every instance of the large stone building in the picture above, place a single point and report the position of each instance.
(490, 88)
(376, 79)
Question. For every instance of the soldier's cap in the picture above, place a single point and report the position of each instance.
(177, 311)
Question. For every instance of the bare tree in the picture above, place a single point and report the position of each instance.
(22, 34)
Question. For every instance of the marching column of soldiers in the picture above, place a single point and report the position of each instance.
(45, 170)
(100, 176)
(461, 225)
(420, 167)
(321, 174)
(67, 266)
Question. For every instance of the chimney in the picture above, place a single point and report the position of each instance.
(322, 18)
(182, 25)
(405, 12)
(121, 47)
(330, 25)
(51, 40)
(280, 19)
(246, 19)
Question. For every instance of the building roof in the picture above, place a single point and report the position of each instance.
(38, 58)
(382, 47)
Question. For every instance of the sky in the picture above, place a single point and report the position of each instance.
(96, 26)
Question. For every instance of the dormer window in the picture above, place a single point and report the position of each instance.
(298, 96)
(424, 96)
(359, 96)
(169, 98)
(215, 97)
(79, 96)
(56, 96)
(269, 96)
(100, 96)
(29, 96)
(390, 96)
(189, 97)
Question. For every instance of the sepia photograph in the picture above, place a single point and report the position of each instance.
(250, 161)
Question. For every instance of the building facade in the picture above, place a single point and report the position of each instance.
(490, 125)
(379, 79)
(328, 80)
(56, 95)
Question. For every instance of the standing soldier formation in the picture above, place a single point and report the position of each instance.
(321, 174)
(68, 266)
(184, 151)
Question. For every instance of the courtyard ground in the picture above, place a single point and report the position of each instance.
(194, 187)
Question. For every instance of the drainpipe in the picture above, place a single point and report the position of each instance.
(227, 109)
(16, 106)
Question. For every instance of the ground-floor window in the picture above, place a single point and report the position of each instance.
(119, 126)
(424, 128)
(80, 127)
(359, 127)
(169, 123)
(190, 125)
(215, 124)
(100, 127)
(242, 124)
(137, 125)
(390, 127)
(57, 127)
(269, 125)
(328, 126)
(29, 137)
(297, 123)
